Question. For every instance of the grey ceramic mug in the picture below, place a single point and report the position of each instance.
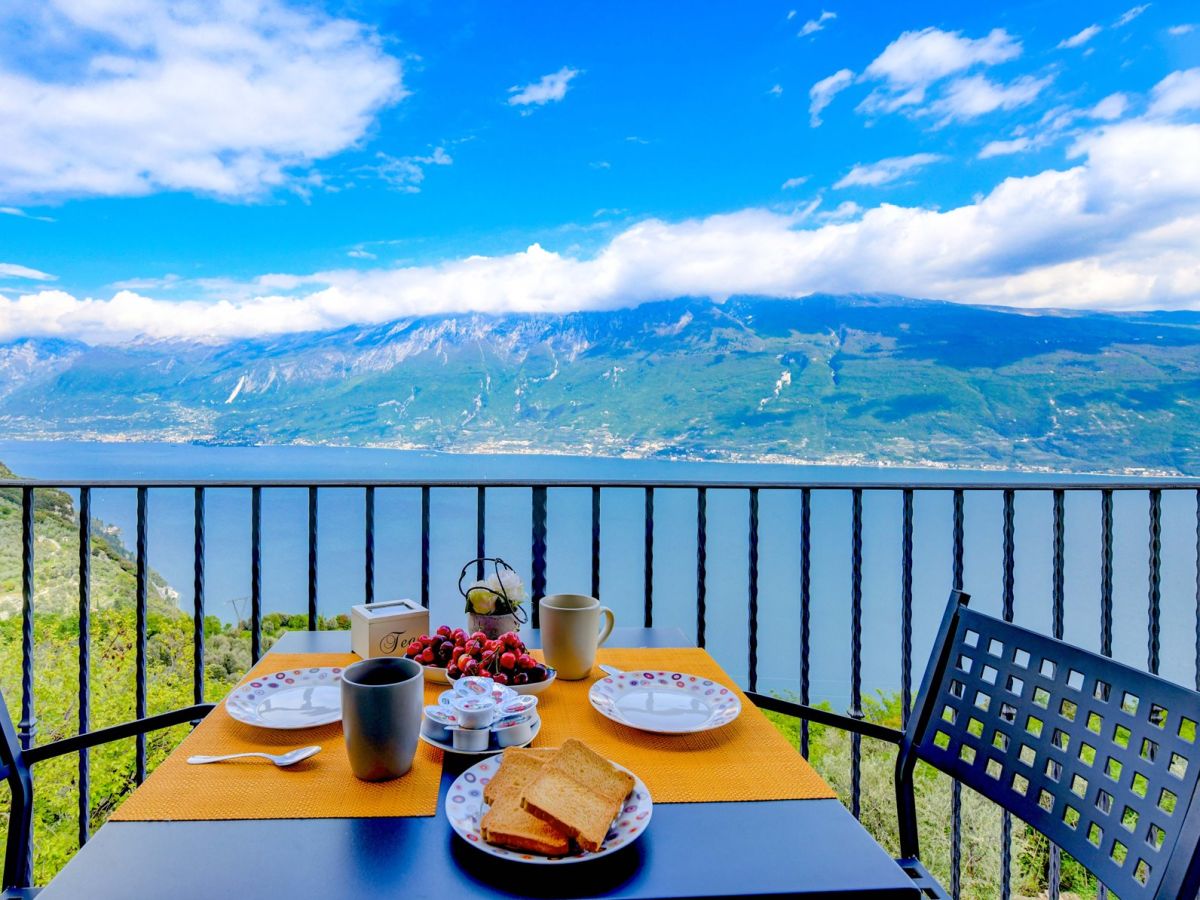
(382, 700)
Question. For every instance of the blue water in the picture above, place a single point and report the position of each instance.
(340, 567)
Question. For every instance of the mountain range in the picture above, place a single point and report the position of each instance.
(849, 379)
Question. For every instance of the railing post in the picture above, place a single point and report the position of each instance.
(143, 577)
(702, 565)
(480, 530)
(805, 608)
(856, 711)
(1198, 590)
(906, 596)
(255, 573)
(369, 545)
(752, 587)
(198, 596)
(1155, 592)
(27, 727)
(648, 588)
(956, 785)
(1007, 612)
(596, 543)
(538, 550)
(425, 551)
(85, 659)
(312, 558)
(1057, 624)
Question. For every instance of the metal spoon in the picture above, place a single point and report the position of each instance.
(282, 760)
(610, 670)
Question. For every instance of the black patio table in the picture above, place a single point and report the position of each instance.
(808, 848)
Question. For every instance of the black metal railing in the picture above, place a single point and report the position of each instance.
(853, 720)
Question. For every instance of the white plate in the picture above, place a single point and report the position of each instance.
(491, 751)
(665, 702)
(465, 807)
(289, 699)
(438, 676)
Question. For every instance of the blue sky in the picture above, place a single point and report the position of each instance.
(217, 169)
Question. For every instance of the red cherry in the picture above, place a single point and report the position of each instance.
(538, 674)
(479, 636)
(471, 668)
(463, 660)
(521, 678)
(507, 660)
(444, 631)
(525, 661)
(427, 655)
(500, 678)
(459, 634)
(453, 671)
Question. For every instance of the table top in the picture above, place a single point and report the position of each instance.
(809, 848)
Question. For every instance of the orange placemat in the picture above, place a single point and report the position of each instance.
(747, 759)
(322, 787)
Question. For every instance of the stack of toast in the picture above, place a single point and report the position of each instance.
(543, 801)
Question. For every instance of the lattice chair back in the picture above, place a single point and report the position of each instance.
(1100, 757)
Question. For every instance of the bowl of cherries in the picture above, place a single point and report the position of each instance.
(450, 653)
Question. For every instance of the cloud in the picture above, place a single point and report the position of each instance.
(1177, 92)
(812, 26)
(12, 270)
(976, 95)
(1117, 228)
(822, 93)
(359, 253)
(21, 214)
(1006, 148)
(776, 90)
(793, 182)
(1111, 107)
(407, 173)
(886, 171)
(1078, 40)
(1130, 14)
(549, 88)
(909, 65)
(1180, 30)
(130, 97)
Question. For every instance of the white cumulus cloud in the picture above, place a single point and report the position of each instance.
(1177, 92)
(12, 270)
(128, 97)
(976, 95)
(885, 171)
(822, 93)
(548, 89)
(812, 26)
(1078, 40)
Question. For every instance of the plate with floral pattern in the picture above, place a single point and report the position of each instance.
(665, 702)
(465, 807)
(289, 699)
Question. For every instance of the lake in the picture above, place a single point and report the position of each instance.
(340, 569)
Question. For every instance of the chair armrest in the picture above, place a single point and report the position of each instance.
(825, 717)
(79, 742)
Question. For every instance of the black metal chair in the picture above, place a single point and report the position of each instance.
(1099, 757)
(15, 769)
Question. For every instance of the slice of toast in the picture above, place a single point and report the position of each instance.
(506, 824)
(558, 799)
(593, 771)
(516, 771)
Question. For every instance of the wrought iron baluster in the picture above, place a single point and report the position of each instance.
(805, 608)
(906, 596)
(596, 542)
(143, 568)
(85, 659)
(702, 564)
(425, 552)
(752, 589)
(538, 552)
(856, 649)
(198, 594)
(480, 530)
(27, 727)
(255, 573)
(1106, 572)
(1155, 612)
(648, 613)
(1007, 612)
(312, 558)
(956, 786)
(369, 545)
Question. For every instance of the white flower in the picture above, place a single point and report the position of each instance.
(508, 583)
(481, 598)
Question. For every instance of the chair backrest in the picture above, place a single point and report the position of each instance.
(1100, 757)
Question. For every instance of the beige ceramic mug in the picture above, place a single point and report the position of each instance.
(571, 632)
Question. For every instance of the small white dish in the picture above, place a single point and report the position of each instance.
(289, 699)
(474, 712)
(465, 807)
(665, 702)
(514, 732)
(470, 740)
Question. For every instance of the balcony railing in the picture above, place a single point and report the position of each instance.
(1140, 500)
